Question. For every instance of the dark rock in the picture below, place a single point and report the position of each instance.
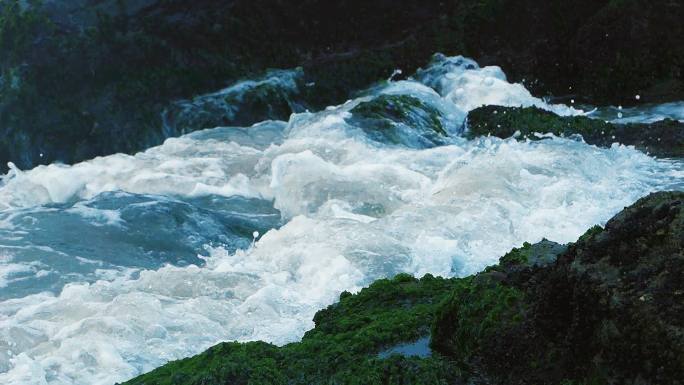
(86, 78)
(273, 97)
(94, 79)
(343, 348)
(604, 310)
(602, 52)
(400, 119)
(607, 311)
(663, 138)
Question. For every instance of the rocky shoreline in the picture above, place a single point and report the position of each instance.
(603, 310)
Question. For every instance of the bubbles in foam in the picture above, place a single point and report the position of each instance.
(356, 210)
(465, 84)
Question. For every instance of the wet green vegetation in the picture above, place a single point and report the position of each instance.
(603, 310)
(663, 138)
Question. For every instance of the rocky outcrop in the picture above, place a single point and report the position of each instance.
(86, 78)
(400, 119)
(79, 80)
(343, 348)
(603, 310)
(607, 311)
(274, 96)
(663, 138)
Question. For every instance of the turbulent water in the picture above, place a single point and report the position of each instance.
(647, 113)
(111, 267)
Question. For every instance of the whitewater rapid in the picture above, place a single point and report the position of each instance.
(114, 266)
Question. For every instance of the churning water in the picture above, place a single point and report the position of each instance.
(111, 267)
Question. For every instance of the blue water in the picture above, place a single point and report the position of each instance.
(74, 241)
(419, 348)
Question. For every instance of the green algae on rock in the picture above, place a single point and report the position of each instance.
(343, 347)
(663, 138)
(400, 119)
(606, 309)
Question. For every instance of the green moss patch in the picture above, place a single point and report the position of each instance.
(664, 138)
(400, 119)
(341, 349)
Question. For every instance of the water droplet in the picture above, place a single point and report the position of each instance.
(572, 101)
(619, 115)
(255, 234)
(637, 97)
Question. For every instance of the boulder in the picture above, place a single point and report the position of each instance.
(663, 138)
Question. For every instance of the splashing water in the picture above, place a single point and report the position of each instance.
(647, 113)
(114, 266)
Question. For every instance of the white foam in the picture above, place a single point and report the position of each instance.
(357, 211)
(466, 85)
(13, 271)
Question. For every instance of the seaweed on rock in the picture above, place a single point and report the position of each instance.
(663, 138)
(606, 309)
(400, 119)
(343, 347)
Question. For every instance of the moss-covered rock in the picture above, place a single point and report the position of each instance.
(275, 96)
(663, 138)
(474, 314)
(606, 311)
(342, 349)
(400, 119)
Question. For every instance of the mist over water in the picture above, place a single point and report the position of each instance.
(114, 266)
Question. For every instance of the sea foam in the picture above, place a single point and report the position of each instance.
(353, 210)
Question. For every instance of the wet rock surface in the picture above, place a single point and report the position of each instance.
(605, 309)
(605, 312)
(663, 138)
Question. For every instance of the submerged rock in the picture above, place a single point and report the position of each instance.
(604, 310)
(400, 119)
(273, 97)
(663, 138)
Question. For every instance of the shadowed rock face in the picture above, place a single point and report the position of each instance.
(604, 310)
(607, 311)
(663, 138)
(87, 78)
